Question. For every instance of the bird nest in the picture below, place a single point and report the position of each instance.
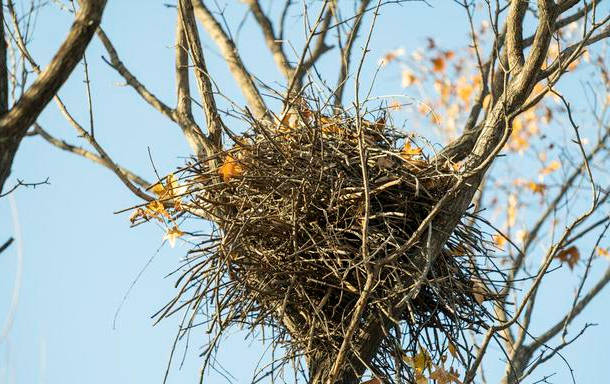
(302, 212)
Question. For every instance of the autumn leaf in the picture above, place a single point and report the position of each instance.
(603, 252)
(552, 167)
(452, 349)
(159, 190)
(479, 291)
(408, 151)
(420, 378)
(419, 362)
(499, 240)
(391, 56)
(136, 215)
(230, 168)
(570, 255)
(395, 105)
(536, 187)
(438, 64)
(464, 92)
(442, 376)
(170, 191)
(156, 209)
(408, 78)
(172, 234)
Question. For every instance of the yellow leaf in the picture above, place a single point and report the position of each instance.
(230, 168)
(395, 105)
(570, 255)
(464, 92)
(452, 349)
(172, 234)
(159, 190)
(420, 362)
(155, 209)
(536, 187)
(499, 241)
(408, 151)
(552, 167)
(603, 252)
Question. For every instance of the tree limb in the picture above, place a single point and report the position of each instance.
(231, 55)
(14, 123)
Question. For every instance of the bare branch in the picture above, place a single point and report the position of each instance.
(213, 142)
(231, 55)
(346, 52)
(61, 144)
(130, 79)
(14, 123)
(274, 45)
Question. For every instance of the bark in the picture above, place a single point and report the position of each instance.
(15, 122)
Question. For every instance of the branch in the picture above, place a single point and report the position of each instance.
(3, 65)
(6, 244)
(555, 329)
(320, 48)
(61, 144)
(514, 34)
(274, 45)
(130, 79)
(213, 142)
(231, 55)
(346, 52)
(14, 123)
(183, 91)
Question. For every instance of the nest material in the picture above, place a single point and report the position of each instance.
(288, 250)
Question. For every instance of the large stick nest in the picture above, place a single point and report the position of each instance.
(289, 204)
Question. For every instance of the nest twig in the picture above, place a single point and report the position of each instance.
(287, 205)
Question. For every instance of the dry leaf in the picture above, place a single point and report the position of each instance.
(570, 255)
(172, 234)
(452, 349)
(408, 151)
(499, 241)
(230, 168)
(603, 252)
(442, 376)
(552, 167)
(408, 78)
(438, 64)
(420, 362)
(536, 187)
(479, 291)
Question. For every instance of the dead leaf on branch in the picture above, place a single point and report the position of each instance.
(570, 256)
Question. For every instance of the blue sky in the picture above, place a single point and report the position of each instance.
(80, 258)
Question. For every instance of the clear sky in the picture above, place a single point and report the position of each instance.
(80, 258)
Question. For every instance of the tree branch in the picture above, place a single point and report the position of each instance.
(275, 46)
(213, 142)
(130, 79)
(231, 55)
(14, 123)
(61, 144)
